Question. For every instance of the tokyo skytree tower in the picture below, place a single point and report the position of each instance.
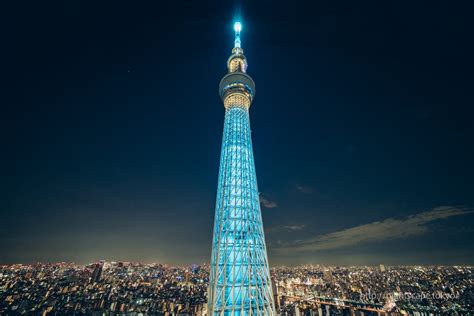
(239, 278)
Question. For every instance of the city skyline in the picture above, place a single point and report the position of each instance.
(158, 289)
(362, 131)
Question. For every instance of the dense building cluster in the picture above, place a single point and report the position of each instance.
(375, 290)
(114, 287)
(121, 288)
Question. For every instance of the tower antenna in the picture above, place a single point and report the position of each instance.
(237, 29)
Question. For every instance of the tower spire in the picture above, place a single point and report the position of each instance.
(237, 29)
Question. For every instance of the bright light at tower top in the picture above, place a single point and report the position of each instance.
(237, 27)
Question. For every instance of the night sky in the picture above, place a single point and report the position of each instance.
(362, 127)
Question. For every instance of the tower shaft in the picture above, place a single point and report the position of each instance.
(239, 278)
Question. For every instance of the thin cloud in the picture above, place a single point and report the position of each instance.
(304, 189)
(266, 203)
(388, 229)
(286, 228)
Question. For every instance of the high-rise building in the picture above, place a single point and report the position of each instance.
(276, 294)
(239, 280)
(97, 273)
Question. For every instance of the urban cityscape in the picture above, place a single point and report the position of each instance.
(118, 147)
(154, 289)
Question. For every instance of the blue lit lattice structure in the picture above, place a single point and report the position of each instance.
(239, 278)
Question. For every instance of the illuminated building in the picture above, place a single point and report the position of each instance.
(239, 278)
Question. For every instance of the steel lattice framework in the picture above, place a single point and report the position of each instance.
(239, 278)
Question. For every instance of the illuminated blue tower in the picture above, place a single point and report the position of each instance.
(239, 278)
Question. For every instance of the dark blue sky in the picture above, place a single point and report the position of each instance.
(362, 129)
